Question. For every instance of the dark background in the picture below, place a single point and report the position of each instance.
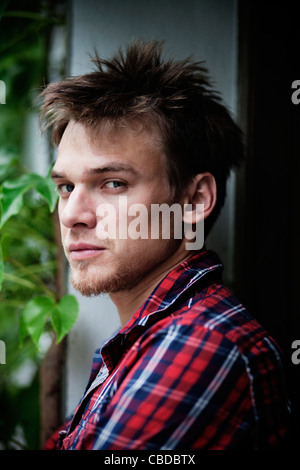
(268, 196)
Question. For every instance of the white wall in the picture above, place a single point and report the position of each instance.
(205, 29)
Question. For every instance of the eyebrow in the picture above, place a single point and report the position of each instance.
(111, 168)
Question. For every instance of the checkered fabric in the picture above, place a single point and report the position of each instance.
(191, 370)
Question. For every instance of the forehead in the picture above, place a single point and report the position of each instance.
(133, 143)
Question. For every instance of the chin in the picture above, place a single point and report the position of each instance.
(94, 284)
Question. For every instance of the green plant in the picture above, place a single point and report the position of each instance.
(33, 309)
(62, 312)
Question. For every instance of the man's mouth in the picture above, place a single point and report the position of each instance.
(82, 251)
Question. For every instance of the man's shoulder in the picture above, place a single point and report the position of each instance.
(216, 314)
(212, 307)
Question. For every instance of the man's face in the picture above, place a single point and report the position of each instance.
(123, 165)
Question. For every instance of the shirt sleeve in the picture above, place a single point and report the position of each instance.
(180, 388)
(54, 441)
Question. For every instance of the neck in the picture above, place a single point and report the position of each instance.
(129, 301)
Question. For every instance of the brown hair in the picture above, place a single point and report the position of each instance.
(197, 131)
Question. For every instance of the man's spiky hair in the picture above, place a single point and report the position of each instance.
(197, 131)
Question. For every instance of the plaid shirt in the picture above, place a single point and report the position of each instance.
(190, 370)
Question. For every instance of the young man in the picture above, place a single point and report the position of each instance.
(190, 368)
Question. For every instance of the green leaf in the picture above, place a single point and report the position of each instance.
(34, 317)
(8, 161)
(12, 201)
(37, 311)
(12, 195)
(64, 316)
(18, 280)
(13, 191)
(47, 189)
(1, 265)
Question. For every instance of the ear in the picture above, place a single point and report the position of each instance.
(201, 197)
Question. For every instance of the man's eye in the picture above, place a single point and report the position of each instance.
(114, 184)
(65, 188)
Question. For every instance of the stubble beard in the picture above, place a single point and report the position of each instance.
(95, 284)
(126, 275)
(127, 272)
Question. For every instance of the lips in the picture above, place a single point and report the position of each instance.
(81, 251)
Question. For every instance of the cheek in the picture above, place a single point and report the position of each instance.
(113, 221)
(122, 222)
(60, 209)
(143, 252)
(63, 231)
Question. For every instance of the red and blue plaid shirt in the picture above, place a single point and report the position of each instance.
(191, 370)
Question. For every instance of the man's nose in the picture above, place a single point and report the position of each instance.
(78, 209)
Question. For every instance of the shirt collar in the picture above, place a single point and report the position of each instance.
(176, 283)
(172, 286)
